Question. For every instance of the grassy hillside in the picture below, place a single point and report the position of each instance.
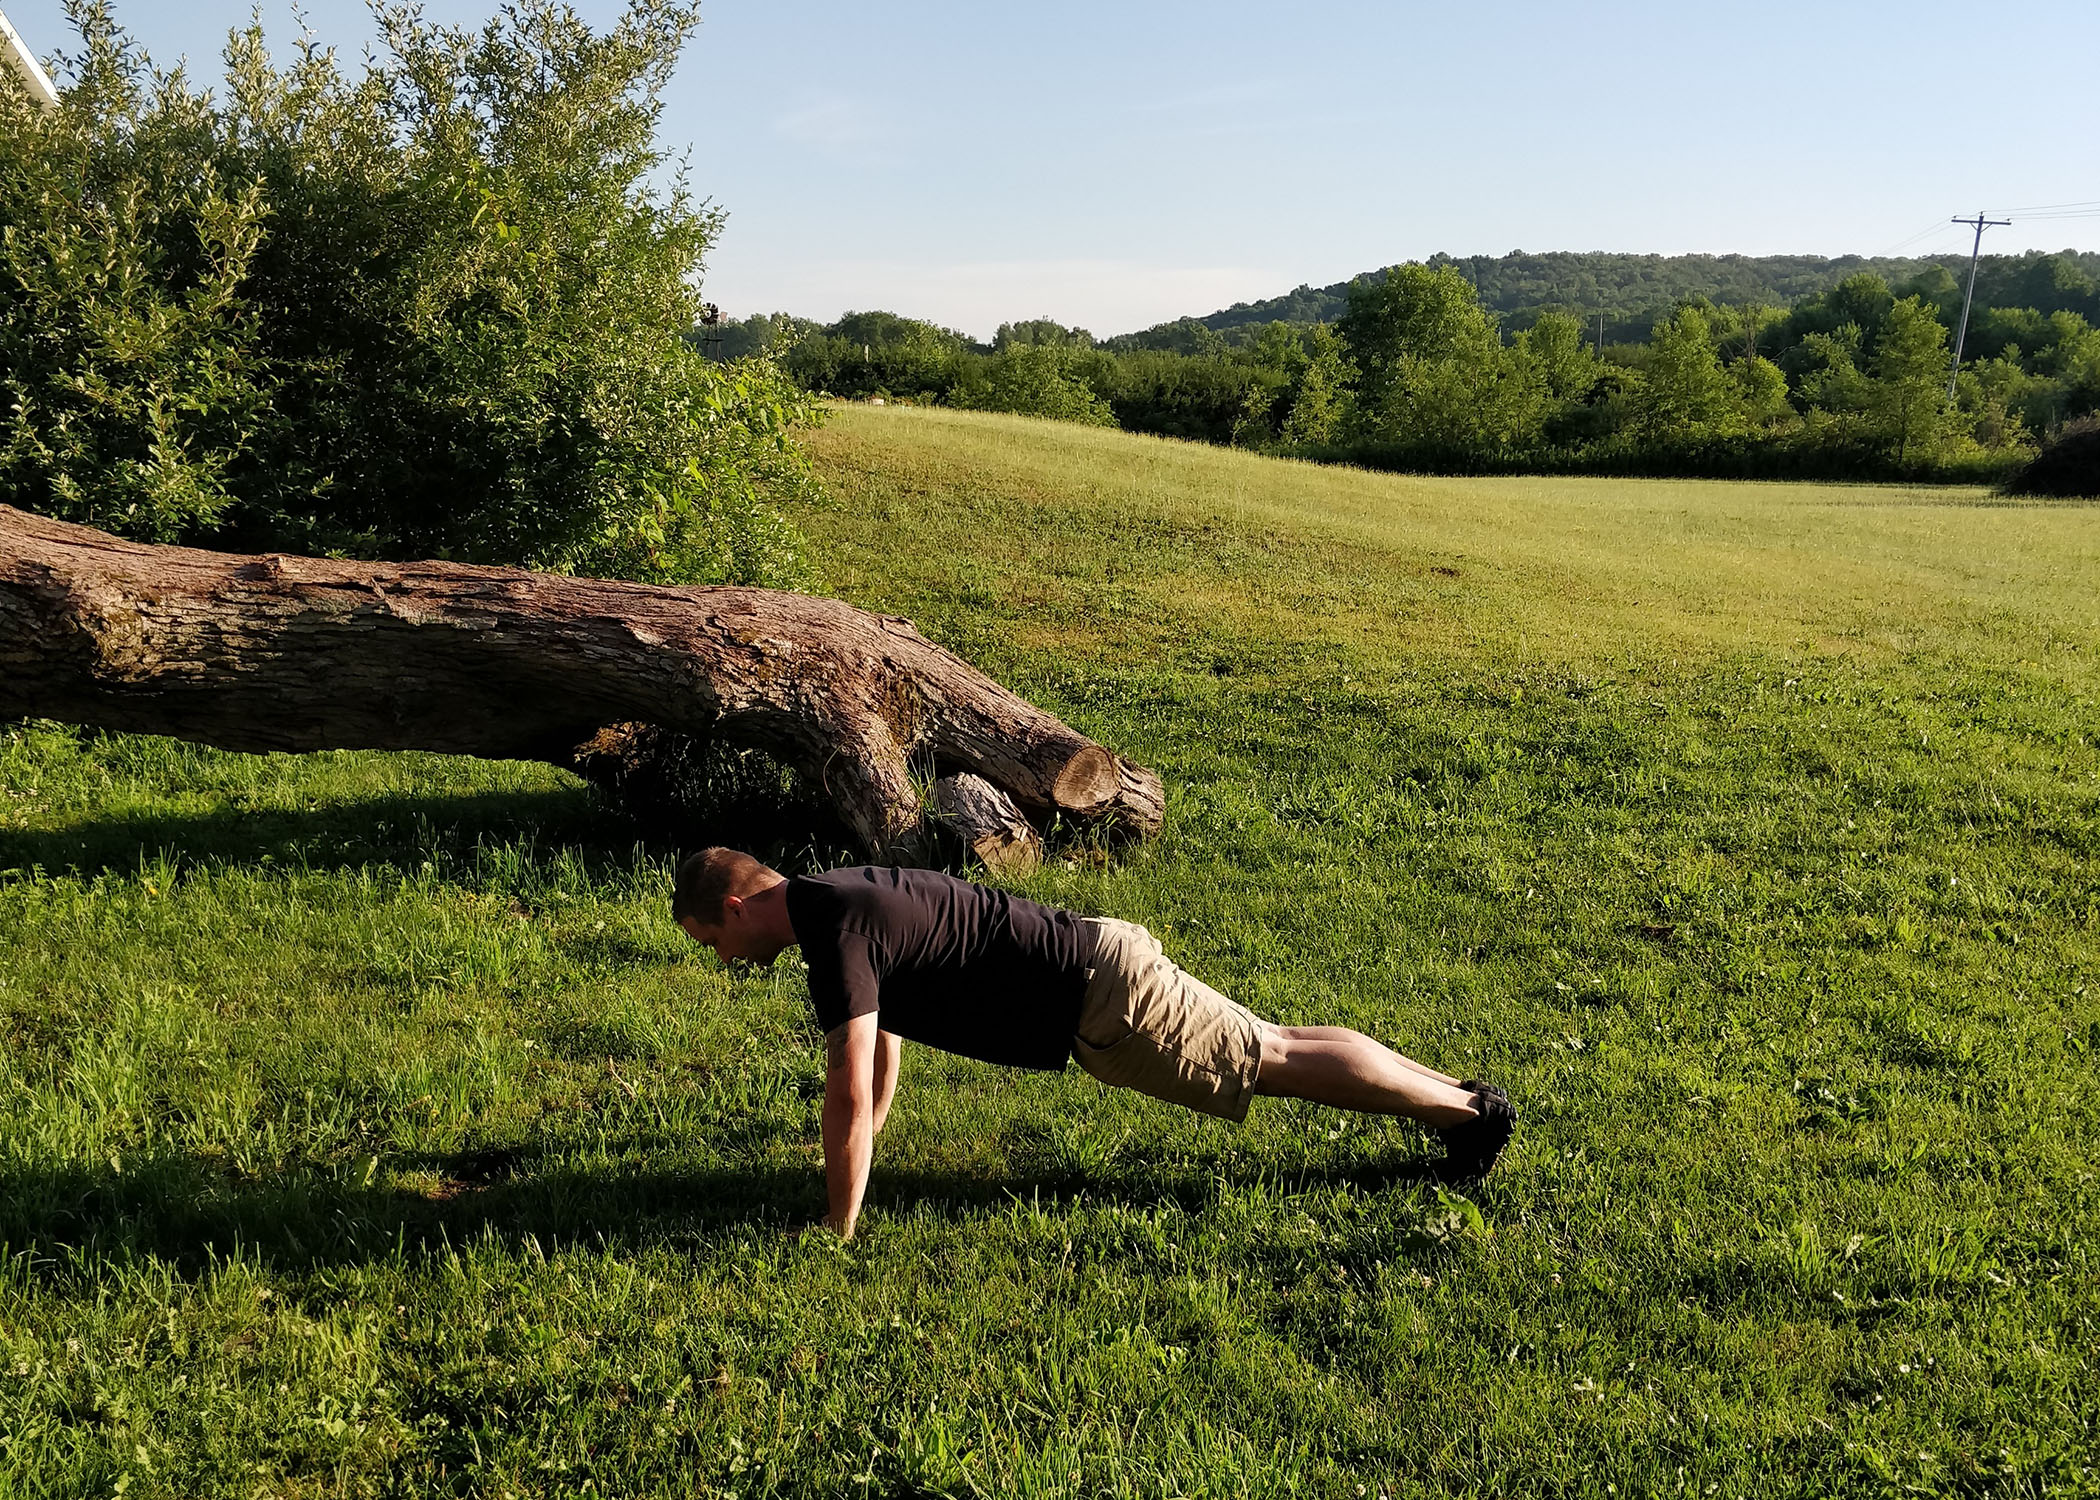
(365, 1126)
(1056, 536)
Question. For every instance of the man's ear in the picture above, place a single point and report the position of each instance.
(731, 905)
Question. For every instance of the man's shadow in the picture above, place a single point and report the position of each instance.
(188, 1210)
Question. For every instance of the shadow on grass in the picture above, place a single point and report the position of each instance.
(188, 1211)
(400, 829)
(404, 830)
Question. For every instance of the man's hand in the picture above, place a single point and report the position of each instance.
(849, 1118)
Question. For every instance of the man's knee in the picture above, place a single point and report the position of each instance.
(1276, 1055)
(1286, 1036)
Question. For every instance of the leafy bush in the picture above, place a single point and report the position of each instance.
(2068, 467)
(436, 308)
(1184, 396)
(1038, 380)
(875, 353)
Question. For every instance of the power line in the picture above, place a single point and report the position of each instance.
(2082, 213)
(2042, 208)
(2088, 208)
(1911, 239)
(1975, 254)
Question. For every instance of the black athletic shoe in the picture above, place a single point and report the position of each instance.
(1472, 1147)
(1475, 1086)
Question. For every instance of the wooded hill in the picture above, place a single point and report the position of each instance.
(1635, 292)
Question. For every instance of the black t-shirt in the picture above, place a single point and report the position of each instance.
(957, 966)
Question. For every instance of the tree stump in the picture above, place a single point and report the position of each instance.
(989, 824)
(302, 653)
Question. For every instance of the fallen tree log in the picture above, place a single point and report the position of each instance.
(301, 653)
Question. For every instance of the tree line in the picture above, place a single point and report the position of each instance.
(1630, 294)
(1415, 373)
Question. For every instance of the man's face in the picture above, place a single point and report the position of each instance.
(737, 938)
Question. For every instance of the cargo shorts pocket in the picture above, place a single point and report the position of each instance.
(1105, 1018)
(1118, 1063)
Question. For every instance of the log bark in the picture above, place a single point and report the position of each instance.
(301, 653)
(991, 827)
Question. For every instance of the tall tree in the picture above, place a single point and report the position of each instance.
(1410, 316)
(1909, 401)
(1557, 344)
(1688, 397)
(1433, 372)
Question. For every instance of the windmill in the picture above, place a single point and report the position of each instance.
(709, 331)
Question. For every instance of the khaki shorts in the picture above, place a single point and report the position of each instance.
(1149, 1026)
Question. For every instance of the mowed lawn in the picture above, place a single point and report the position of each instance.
(367, 1128)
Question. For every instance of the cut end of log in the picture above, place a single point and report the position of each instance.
(1089, 781)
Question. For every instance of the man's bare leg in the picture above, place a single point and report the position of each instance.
(1348, 1070)
(1344, 1034)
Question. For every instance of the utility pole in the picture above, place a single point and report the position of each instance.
(1975, 254)
(24, 62)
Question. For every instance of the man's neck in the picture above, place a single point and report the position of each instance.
(771, 908)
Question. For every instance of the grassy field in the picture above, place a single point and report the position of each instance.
(367, 1128)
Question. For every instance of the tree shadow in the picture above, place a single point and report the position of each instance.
(1920, 499)
(707, 794)
(404, 829)
(190, 1212)
(392, 829)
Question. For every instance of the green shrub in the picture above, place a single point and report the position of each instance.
(438, 308)
(1038, 380)
(1205, 397)
(2068, 467)
(876, 353)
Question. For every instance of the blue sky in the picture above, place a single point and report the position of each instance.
(1114, 165)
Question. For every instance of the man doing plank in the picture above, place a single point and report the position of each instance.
(977, 971)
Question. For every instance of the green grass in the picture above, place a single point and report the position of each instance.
(366, 1127)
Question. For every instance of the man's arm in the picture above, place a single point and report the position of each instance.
(849, 1117)
(888, 1049)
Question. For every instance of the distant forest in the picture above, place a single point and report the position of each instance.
(1634, 292)
(1721, 365)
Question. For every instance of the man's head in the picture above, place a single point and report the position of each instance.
(732, 903)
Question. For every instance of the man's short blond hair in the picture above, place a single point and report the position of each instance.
(707, 879)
